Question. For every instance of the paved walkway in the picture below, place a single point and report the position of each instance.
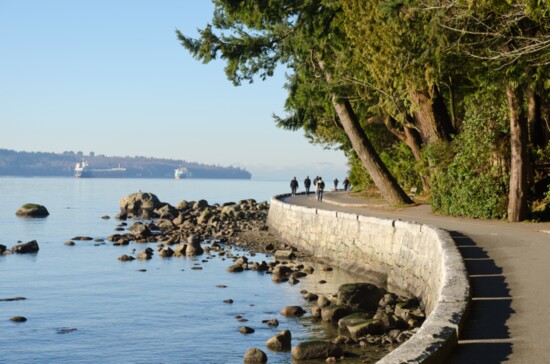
(509, 267)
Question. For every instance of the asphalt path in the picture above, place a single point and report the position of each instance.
(509, 268)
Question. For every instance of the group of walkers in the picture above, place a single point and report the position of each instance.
(318, 184)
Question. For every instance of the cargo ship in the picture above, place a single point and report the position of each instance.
(182, 172)
(82, 170)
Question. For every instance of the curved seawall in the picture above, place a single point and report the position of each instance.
(406, 257)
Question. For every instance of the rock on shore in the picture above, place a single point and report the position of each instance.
(254, 356)
(190, 222)
(309, 350)
(30, 247)
(32, 210)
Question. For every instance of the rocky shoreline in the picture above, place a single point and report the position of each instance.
(366, 321)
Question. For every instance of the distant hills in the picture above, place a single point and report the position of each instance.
(35, 164)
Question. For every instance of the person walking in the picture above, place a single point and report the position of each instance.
(294, 186)
(307, 185)
(319, 187)
(346, 184)
(336, 184)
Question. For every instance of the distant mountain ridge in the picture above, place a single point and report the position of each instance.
(36, 164)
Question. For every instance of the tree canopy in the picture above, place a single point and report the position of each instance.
(449, 96)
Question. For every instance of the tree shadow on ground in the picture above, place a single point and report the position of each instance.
(485, 337)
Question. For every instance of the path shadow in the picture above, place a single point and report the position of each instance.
(485, 337)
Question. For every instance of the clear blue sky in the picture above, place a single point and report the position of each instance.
(110, 76)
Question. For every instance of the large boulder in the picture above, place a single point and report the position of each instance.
(193, 246)
(30, 247)
(280, 342)
(293, 311)
(310, 350)
(32, 210)
(334, 313)
(360, 296)
(139, 204)
(365, 327)
(254, 355)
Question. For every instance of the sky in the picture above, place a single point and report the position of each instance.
(111, 77)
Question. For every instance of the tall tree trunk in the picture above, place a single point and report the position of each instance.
(414, 142)
(383, 179)
(517, 198)
(381, 176)
(432, 118)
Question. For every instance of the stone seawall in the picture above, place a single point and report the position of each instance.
(406, 257)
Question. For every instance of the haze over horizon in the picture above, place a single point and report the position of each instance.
(111, 77)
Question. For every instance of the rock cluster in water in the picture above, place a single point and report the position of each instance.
(364, 314)
(243, 223)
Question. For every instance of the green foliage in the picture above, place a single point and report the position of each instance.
(402, 165)
(358, 176)
(474, 181)
(395, 154)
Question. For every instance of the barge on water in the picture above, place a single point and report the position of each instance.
(83, 170)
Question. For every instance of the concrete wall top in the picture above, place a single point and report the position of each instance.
(420, 259)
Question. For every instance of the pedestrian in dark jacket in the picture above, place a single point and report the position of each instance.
(307, 185)
(319, 188)
(336, 184)
(293, 186)
(346, 184)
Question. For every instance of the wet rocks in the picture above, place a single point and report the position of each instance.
(293, 311)
(365, 327)
(235, 268)
(310, 350)
(193, 246)
(360, 296)
(335, 313)
(246, 330)
(30, 247)
(140, 204)
(126, 258)
(82, 238)
(140, 231)
(3, 249)
(166, 252)
(145, 254)
(271, 323)
(32, 210)
(254, 355)
(18, 319)
(280, 342)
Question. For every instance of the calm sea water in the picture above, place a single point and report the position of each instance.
(170, 313)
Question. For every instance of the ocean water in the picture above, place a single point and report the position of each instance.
(85, 306)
